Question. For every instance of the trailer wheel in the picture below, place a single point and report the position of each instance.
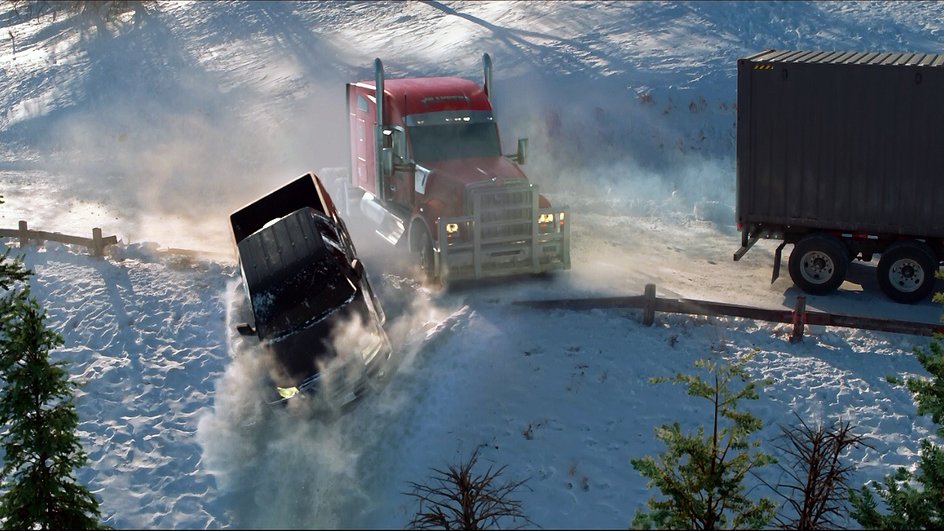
(906, 271)
(818, 264)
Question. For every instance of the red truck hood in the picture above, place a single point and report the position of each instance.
(465, 171)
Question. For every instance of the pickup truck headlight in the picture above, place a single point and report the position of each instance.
(546, 218)
(287, 392)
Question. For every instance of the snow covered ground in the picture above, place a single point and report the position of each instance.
(157, 126)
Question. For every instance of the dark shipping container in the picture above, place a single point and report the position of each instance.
(844, 143)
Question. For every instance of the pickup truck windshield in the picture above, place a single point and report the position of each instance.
(454, 141)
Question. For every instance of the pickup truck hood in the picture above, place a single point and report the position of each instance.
(300, 354)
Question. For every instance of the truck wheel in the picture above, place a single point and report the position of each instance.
(423, 252)
(906, 271)
(818, 264)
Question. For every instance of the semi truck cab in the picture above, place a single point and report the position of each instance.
(427, 168)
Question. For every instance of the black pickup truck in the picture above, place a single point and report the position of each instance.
(315, 313)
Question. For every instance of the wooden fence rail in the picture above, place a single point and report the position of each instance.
(799, 316)
(96, 243)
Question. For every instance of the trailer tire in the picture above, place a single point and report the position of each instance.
(906, 270)
(818, 264)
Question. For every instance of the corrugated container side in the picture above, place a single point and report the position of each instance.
(840, 146)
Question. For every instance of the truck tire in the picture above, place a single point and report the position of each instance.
(906, 271)
(818, 264)
(423, 253)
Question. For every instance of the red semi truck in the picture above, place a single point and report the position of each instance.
(427, 168)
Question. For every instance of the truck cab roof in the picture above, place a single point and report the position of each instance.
(433, 94)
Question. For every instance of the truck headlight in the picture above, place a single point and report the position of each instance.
(287, 392)
(561, 219)
(452, 231)
(546, 223)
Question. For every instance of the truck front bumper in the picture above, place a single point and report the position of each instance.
(546, 248)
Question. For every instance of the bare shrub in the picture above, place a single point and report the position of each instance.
(458, 499)
(815, 486)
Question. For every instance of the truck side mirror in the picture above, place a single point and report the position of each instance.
(522, 154)
(386, 160)
(399, 145)
(245, 329)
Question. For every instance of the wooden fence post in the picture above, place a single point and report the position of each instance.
(98, 247)
(24, 234)
(799, 319)
(649, 310)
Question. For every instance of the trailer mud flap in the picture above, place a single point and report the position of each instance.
(777, 255)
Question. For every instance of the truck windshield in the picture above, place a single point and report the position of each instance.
(454, 141)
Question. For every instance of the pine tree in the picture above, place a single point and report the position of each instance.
(38, 419)
(11, 271)
(914, 500)
(701, 474)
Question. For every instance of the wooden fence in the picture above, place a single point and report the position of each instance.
(798, 317)
(96, 243)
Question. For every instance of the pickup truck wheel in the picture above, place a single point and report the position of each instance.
(818, 264)
(906, 271)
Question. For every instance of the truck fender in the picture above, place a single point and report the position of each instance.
(416, 226)
(425, 217)
(423, 247)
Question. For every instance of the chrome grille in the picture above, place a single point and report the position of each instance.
(504, 210)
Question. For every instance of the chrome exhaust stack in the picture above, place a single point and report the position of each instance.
(378, 126)
(487, 64)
